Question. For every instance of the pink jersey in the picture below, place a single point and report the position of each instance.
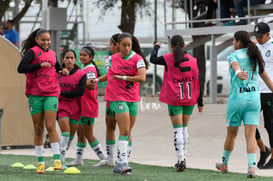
(122, 90)
(89, 100)
(44, 81)
(70, 107)
(180, 88)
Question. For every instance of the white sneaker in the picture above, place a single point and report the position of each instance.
(101, 163)
(75, 162)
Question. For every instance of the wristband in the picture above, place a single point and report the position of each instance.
(124, 77)
(237, 71)
(97, 80)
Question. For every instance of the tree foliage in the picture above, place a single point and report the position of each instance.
(129, 9)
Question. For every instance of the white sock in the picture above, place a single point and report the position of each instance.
(55, 148)
(63, 145)
(178, 143)
(79, 152)
(129, 151)
(122, 151)
(39, 152)
(186, 139)
(110, 151)
(99, 152)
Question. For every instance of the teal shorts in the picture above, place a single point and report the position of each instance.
(122, 107)
(109, 111)
(175, 110)
(39, 104)
(86, 120)
(246, 111)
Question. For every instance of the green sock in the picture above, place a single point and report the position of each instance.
(226, 156)
(251, 158)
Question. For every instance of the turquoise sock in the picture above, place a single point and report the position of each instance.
(226, 156)
(251, 158)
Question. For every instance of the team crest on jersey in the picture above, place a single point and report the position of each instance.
(120, 107)
(268, 53)
(39, 54)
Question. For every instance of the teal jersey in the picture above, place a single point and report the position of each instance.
(247, 89)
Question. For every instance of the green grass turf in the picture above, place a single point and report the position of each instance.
(89, 172)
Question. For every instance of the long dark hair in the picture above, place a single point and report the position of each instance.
(30, 41)
(253, 51)
(177, 42)
(90, 51)
(114, 38)
(75, 55)
(135, 46)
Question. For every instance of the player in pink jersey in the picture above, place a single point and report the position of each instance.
(127, 69)
(180, 90)
(89, 110)
(72, 88)
(40, 65)
(110, 114)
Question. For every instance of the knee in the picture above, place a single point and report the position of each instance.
(51, 129)
(39, 132)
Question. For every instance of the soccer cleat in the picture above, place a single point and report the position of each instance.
(251, 172)
(263, 157)
(75, 162)
(180, 166)
(122, 168)
(58, 165)
(101, 163)
(222, 167)
(268, 165)
(40, 168)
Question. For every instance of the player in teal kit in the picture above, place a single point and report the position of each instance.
(243, 102)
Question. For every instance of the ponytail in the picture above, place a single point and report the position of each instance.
(136, 48)
(177, 42)
(253, 51)
(30, 41)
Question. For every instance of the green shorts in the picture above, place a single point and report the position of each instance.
(39, 104)
(86, 120)
(175, 110)
(122, 107)
(109, 111)
(71, 121)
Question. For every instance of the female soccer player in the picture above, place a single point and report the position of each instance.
(180, 90)
(40, 65)
(127, 69)
(89, 109)
(72, 88)
(244, 98)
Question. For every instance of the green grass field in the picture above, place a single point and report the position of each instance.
(88, 172)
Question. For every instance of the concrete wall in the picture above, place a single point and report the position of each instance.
(17, 127)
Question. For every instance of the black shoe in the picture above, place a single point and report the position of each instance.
(268, 165)
(263, 157)
(180, 166)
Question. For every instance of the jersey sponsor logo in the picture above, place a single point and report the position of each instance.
(183, 79)
(68, 85)
(126, 67)
(268, 53)
(247, 89)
